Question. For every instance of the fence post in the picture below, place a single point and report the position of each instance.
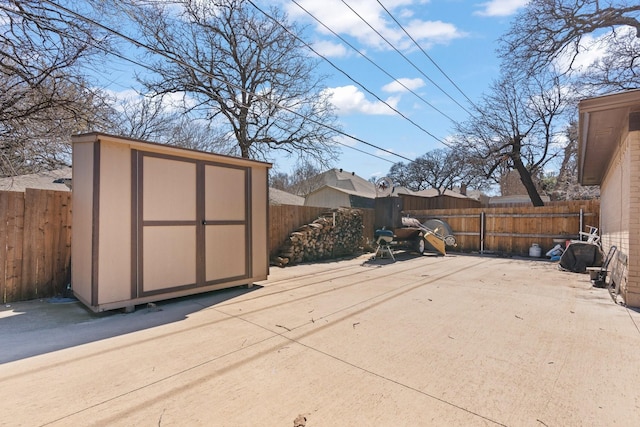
(482, 232)
(581, 223)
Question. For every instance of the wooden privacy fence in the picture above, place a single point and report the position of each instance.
(35, 244)
(35, 240)
(443, 201)
(35, 234)
(514, 229)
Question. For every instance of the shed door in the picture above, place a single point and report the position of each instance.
(191, 224)
(226, 225)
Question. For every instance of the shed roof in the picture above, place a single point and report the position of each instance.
(92, 137)
(602, 122)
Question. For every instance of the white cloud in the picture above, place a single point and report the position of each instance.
(123, 95)
(350, 100)
(501, 7)
(433, 31)
(170, 102)
(592, 49)
(403, 85)
(330, 50)
(405, 13)
(345, 140)
(385, 153)
(340, 19)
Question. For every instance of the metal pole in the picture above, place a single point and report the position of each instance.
(581, 224)
(481, 233)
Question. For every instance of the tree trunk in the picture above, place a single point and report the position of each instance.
(527, 181)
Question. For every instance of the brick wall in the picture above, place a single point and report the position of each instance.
(619, 221)
(633, 278)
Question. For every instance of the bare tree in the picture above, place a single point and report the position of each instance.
(143, 117)
(44, 97)
(42, 140)
(549, 31)
(232, 62)
(400, 174)
(436, 169)
(279, 180)
(197, 134)
(564, 185)
(440, 169)
(304, 179)
(471, 171)
(150, 118)
(515, 127)
(618, 69)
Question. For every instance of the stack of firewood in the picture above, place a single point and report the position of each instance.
(334, 234)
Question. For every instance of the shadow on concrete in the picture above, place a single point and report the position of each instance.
(400, 256)
(35, 327)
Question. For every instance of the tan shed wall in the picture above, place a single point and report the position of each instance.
(114, 250)
(260, 222)
(620, 204)
(81, 232)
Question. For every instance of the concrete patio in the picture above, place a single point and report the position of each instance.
(458, 340)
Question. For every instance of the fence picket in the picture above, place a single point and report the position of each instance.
(15, 231)
(4, 245)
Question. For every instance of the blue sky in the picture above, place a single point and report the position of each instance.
(460, 36)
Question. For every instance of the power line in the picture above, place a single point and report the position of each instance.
(177, 60)
(117, 55)
(408, 60)
(348, 76)
(369, 59)
(427, 55)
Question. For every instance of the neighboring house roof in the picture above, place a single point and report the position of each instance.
(432, 192)
(397, 190)
(59, 180)
(341, 190)
(348, 182)
(340, 182)
(279, 197)
(351, 184)
(334, 197)
(477, 195)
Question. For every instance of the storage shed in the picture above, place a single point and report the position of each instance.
(153, 222)
(609, 156)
